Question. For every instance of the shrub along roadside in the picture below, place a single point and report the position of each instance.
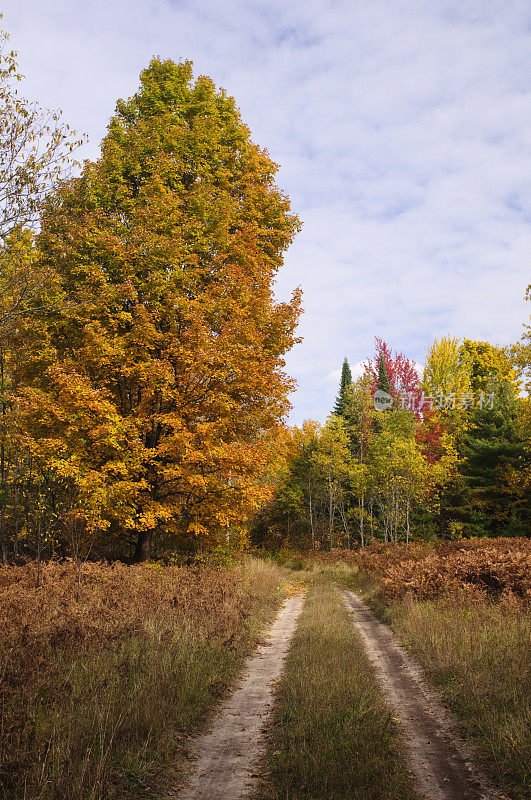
(100, 691)
(332, 737)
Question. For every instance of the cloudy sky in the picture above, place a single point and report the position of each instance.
(403, 134)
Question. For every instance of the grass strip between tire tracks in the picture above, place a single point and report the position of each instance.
(333, 737)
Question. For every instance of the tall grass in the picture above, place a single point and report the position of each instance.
(479, 655)
(332, 737)
(102, 685)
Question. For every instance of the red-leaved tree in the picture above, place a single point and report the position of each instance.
(405, 387)
(401, 371)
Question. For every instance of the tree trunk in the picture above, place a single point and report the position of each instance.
(3, 470)
(330, 510)
(3, 543)
(143, 546)
(394, 520)
(39, 550)
(311, 516)
(341, 509)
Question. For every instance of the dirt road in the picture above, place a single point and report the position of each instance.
(229, 752)
(438, 757)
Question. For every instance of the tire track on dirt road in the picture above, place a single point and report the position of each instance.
(227, 755)
(439, 758)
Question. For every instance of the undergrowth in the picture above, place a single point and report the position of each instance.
(102, 684)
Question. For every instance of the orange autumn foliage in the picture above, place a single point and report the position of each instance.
(158, 389)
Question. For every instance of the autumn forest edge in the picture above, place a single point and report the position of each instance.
(143, 390)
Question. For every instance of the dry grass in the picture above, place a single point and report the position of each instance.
(111, 601)
(101, 684)
(478, 657)
(499, 568)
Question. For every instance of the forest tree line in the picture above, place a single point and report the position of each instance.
(143, 396)
(450, 458)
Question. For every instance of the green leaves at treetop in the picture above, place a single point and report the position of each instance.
(496, 464)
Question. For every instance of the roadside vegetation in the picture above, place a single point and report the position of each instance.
(333, 736)
(477, 655)
(102, 683)
(496, 569)
(463, 610)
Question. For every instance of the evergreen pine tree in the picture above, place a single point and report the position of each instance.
(384, 384)
(494, 450)
(345, 383)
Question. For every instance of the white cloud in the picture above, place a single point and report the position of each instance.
(403, 131)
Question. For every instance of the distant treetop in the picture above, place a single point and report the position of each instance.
(345, 382)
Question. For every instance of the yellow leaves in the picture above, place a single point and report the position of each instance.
(521, 352)
(157, 396)
(447, 370)
(295, 588)
(198, 529)
(487, 363)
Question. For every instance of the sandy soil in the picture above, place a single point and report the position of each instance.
(227, 755)
(440, 760)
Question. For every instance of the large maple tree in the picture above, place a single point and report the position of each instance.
(167, 248)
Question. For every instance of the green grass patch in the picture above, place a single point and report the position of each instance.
(350, 576)
(332, 737)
